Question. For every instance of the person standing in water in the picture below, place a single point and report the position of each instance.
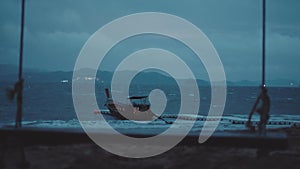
(263, 110)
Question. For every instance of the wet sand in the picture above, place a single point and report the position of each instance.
(90, 156)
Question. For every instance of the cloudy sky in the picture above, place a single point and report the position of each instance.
(56, 30)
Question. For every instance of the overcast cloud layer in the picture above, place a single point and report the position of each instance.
(56, 30)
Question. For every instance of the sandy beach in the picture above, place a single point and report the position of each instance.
(90, 156)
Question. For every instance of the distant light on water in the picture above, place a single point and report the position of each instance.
(64, 81)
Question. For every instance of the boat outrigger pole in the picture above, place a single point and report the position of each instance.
(19, 84)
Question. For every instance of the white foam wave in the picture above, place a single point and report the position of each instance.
(229, 122)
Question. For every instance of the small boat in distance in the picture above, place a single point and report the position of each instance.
(138, 111)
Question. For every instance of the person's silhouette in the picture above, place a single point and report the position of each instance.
(263, 110)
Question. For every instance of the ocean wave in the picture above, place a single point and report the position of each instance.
(228, 122)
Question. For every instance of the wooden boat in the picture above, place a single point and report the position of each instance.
(138, 111)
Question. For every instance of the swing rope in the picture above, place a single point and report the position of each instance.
(19, 84)
(263, 96)
(263, 83)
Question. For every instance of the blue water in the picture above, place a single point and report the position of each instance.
(52, 102)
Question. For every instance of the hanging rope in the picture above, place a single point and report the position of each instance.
(18, 90)
(263, 81)
(264, 108)
(19, 84)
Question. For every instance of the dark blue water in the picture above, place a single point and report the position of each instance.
(53, 101)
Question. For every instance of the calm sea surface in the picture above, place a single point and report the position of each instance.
(53, 101)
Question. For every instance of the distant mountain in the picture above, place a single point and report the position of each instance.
(284, 82)
(9, 73)
(245, 83)
(8, 69)
(275, 83)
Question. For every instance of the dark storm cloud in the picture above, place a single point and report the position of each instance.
(56, 31)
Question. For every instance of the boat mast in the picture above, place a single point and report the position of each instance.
(18, 123)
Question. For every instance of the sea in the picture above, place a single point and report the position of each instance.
(50, 105)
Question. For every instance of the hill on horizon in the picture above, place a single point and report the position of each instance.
(9, 73)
